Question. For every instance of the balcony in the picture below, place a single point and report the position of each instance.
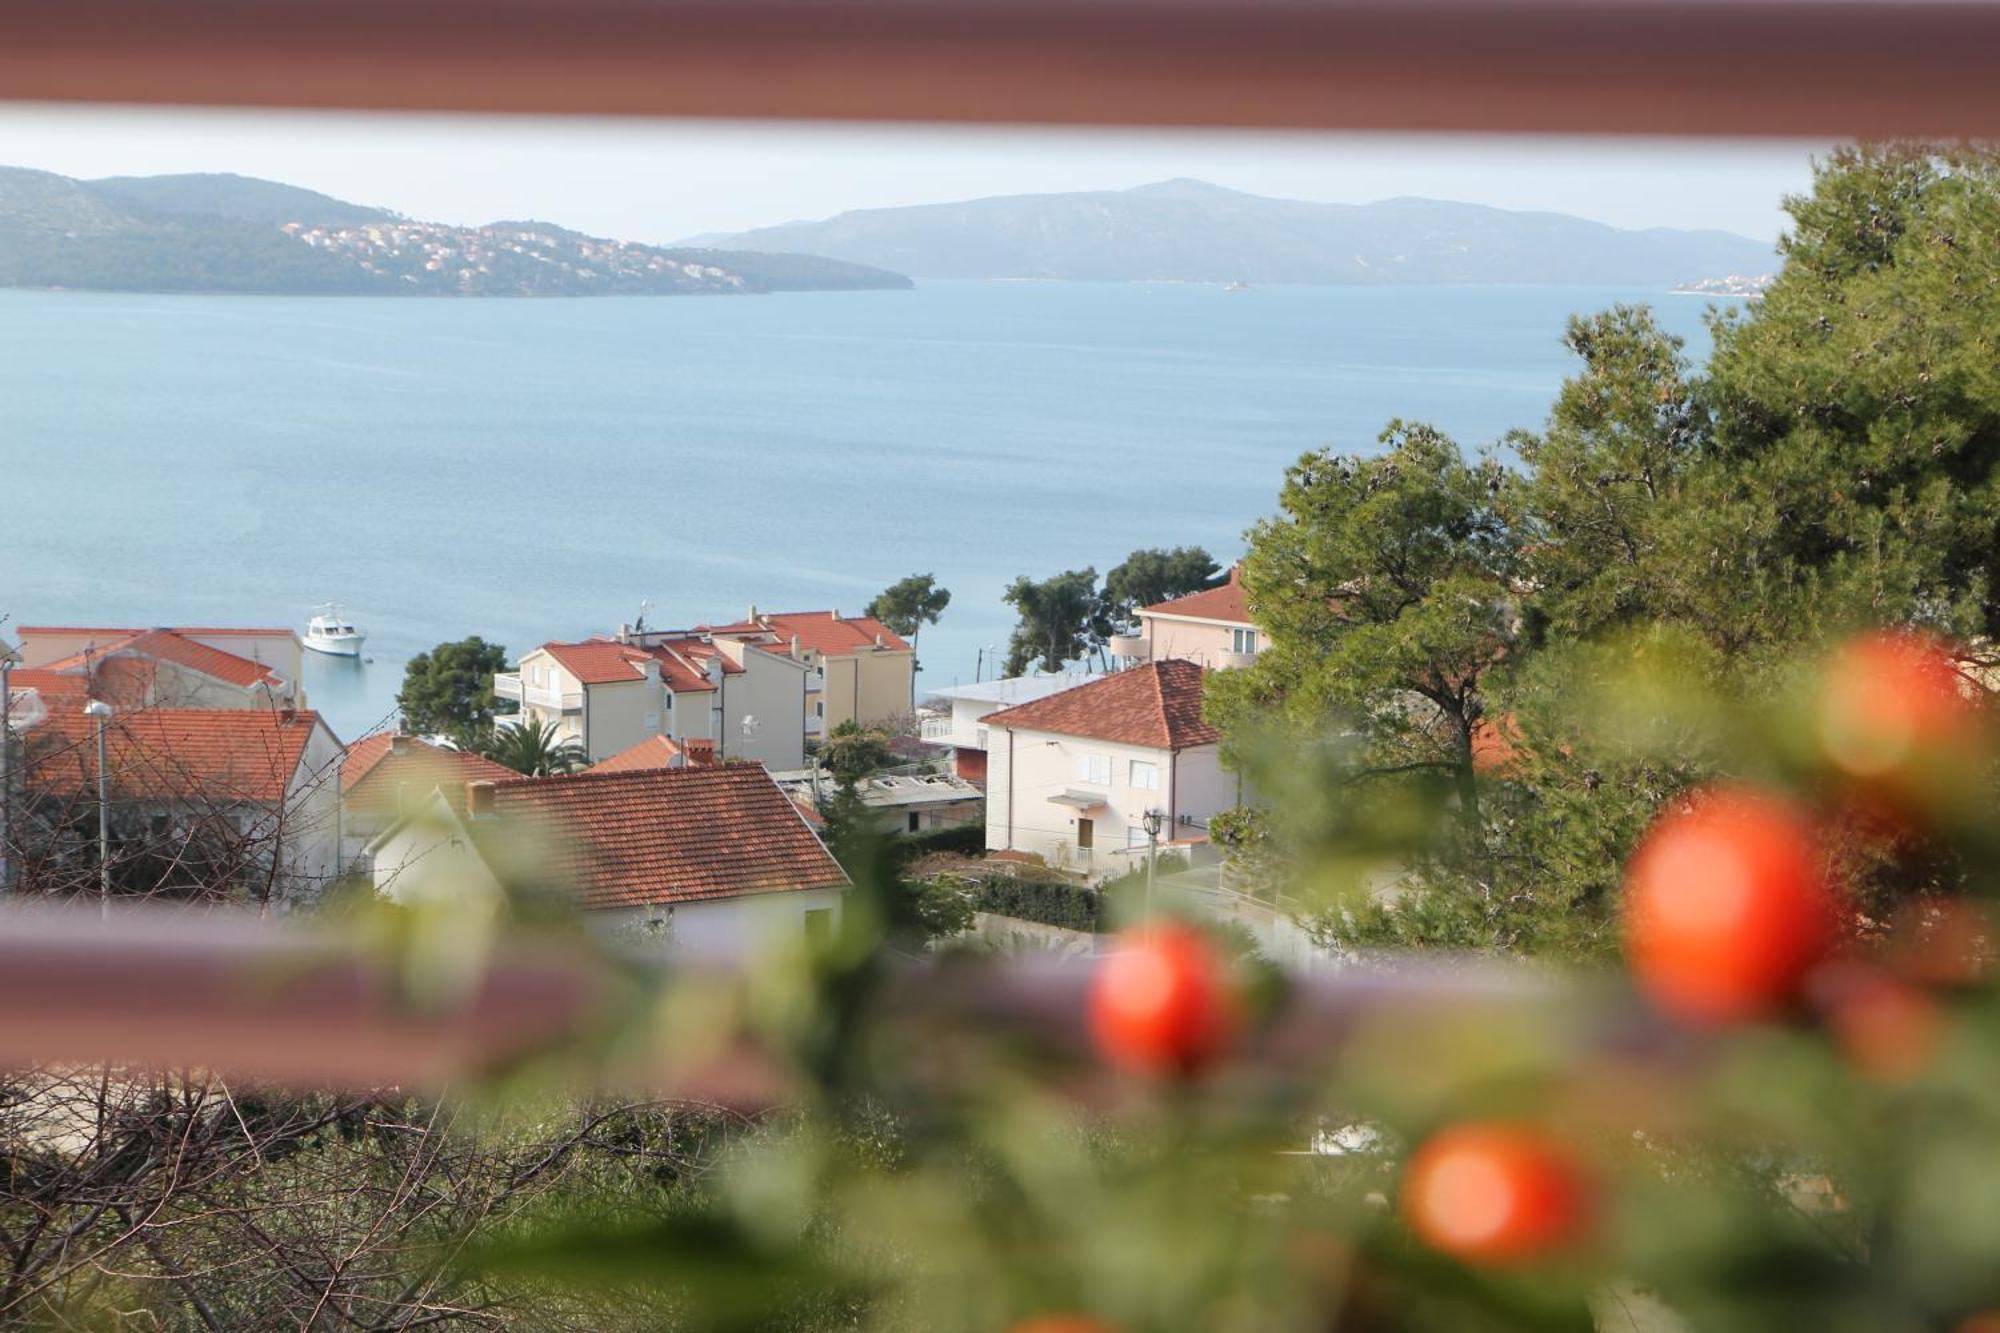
(1131, 647)
(1232, 661)
(508, 685)
(937, 730)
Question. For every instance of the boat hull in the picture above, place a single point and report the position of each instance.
(336, 645)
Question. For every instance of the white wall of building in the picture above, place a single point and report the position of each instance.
(725, 928)
(1026, 768)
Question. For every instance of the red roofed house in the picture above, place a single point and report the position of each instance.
(610, 694)
(1071, 776)
(714, 859)
(861, 669)
(385, 775)
(658, 752)
(1212, 627)
(248, 797)
(166, 668)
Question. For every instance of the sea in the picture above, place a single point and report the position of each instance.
(530, 469)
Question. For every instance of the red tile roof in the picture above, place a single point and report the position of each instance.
(216, 754)
(171, 646)
(372, 772)
(669, 835)
(1157, 705)
(657, 752)
(827, 633)
(1226, 603)
(51, 685)
(683, 662)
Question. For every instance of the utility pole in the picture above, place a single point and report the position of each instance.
(6, 774)
(101, 711)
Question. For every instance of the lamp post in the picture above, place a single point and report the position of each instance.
(101, 711)
(1153, 820)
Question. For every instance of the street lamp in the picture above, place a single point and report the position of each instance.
(101, 711)
(1153, 821)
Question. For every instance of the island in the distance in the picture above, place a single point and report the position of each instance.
(237, 234)
(1735, 285)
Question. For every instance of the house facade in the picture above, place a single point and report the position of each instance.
(962, 729)
(1071, 777)
(608, 695)
(242, 799)
(382, 777)
(898, 802)
(860, 669)
(166, 668)
(707, 861)
(1212, 628)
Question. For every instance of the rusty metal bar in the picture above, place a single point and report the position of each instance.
(1790, 67)
(278, 1001)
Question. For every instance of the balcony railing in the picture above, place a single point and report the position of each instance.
(510, 686)
(936, 729)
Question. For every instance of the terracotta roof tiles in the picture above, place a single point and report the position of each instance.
(1226, 603)
(1156, 705)
(215, 754)
(373, 771)
(669, 835)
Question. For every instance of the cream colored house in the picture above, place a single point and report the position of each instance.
(861, 670)
(710, 861)
(610, 694)
(168, 668)
(1072, 776)
(1212, 627)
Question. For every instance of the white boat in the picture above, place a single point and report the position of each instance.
(331, 632)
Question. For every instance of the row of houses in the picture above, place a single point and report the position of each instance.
(216, 774)
(698, 816)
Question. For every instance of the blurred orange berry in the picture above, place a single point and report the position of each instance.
(1726, 907)
(1891, 702)
(1063, 1323)
(1493, 1193)
(1887, 1029)
(1987, 1321)
(1164, 1002)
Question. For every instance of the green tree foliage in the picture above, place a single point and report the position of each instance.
(449, 690)
(1062, 620)
(908, 605)
(1156, 575)
(1545, 633)
(1384, 587)
(535, 748)
(851, 752)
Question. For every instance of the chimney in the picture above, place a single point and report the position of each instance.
(624, 634)
(287, 715)
(650, 669)
(795, 645)
(752, 617)
(833, 614)
(399, 744)
(479, 799)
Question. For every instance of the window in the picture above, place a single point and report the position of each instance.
(1135, 837)
(1145, 776)
(819, 708)
(819, 923)
(982, 738)
(1245, 641)
(1094, 769)
(913, 821)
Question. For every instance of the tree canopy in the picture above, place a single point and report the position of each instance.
(1156, 575)
(1062, 620)
(908, 605)
(1573, 637)
(449, 690)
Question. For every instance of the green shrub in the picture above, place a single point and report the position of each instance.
(1070, 906)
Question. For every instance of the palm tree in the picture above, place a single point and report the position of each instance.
(536, 748)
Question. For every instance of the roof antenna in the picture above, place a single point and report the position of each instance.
(639, 625)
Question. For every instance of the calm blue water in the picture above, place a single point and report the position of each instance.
(532, 469)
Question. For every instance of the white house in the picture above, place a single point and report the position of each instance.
(610, 694)
(1072, 776)
(899, 802)
(247, 799)
(383, 776)
(712, 860)
(962, 729)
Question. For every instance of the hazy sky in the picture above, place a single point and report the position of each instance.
(662, 180)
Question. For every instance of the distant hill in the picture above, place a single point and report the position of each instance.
(221, 233)
(1190, 231)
